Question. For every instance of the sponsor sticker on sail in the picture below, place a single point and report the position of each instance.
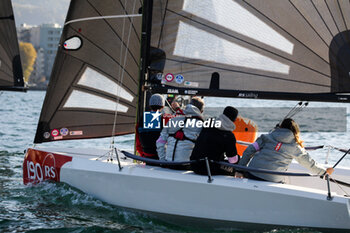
(64, 131)
(179, 79)
(76, 133)
(191, 84)
(169, 77)
(55, 133)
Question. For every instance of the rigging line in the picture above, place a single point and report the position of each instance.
(342, 14)
(298, 110)
(111, 57)
(301, 14)
(328, 46)
(288, 33)
(111, 146)
(171, 108)
(123, 5)
(293, 109)
(339, 185)
(123, 70)
(96, 68)
(248, 73)
(322, 18)
(261, 48)
(109, 23)
(163, 23)
(330, 12)
(114, 32)
(102, 17)
(335, 23)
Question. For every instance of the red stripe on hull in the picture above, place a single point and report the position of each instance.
(39, 166)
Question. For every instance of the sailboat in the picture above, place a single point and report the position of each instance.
(11, 74)
(112, 55)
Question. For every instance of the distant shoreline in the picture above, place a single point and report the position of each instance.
(37, 89)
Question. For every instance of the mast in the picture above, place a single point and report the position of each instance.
(145, 53)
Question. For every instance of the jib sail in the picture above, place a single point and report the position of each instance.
(286, 49)
(11, 75)
(94, 82)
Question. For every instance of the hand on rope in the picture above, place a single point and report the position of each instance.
(329, 170)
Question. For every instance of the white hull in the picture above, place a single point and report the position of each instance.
(227, 200)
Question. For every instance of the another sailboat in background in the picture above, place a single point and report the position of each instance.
(111, 57)
(11, 74)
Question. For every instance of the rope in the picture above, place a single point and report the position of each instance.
(121, 74)
(295, 110)
(102, 17)
(171, 108)
(336, 182)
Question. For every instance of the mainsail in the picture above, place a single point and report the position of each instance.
(286, 49)
(94, 80)
(297, 49)
(11, 75)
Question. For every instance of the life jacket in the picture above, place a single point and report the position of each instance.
(180, 135)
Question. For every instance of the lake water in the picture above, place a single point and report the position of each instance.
(61, 208)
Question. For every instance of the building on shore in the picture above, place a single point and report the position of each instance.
(45, 39)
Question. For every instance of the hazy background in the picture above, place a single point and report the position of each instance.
(36, 12)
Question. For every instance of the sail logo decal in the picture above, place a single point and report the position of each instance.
(169, 77)
(55, 133)
(64, 131)
(39, 166)
(278, 146)
(73, 43)
(152, 120)
(76, 133)
(179, 79)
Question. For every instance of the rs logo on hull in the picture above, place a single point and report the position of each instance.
(42, 172)
(39, 166)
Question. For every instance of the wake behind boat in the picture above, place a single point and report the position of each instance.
(113, 56)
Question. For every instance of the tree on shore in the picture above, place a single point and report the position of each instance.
(28, 56)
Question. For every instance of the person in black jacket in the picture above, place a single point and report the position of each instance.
(214, 143)
(146, 139)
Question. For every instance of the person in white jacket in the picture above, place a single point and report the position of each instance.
(176, 141)
(275, 151)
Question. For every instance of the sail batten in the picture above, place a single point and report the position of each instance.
(11, 74)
